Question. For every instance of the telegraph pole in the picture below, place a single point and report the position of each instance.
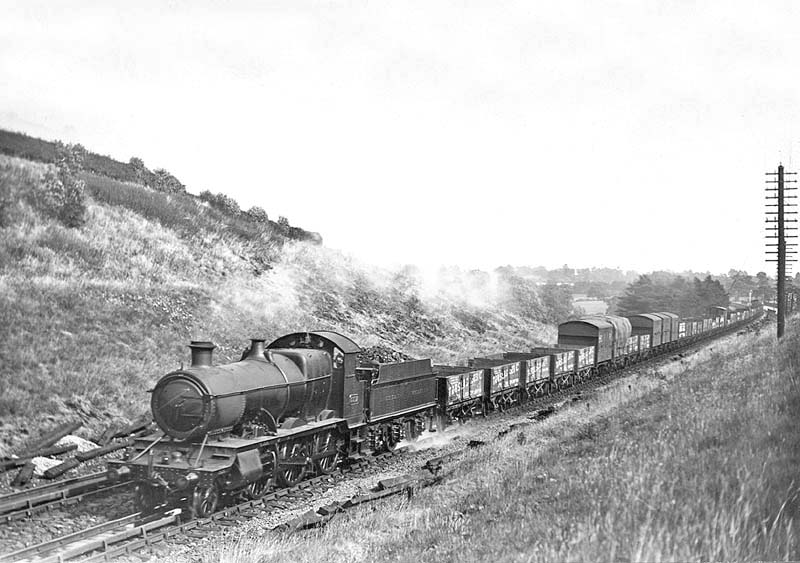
(777, 228)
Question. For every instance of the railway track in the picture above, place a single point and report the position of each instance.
(23, 504)
(133, 533)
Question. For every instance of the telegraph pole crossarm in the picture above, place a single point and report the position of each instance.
(778, 227)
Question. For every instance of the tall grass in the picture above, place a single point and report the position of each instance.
(189, 217)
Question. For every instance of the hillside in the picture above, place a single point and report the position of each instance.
(24, 146)
(114, 182)
(92, 316)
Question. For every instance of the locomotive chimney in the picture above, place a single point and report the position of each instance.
(201, 353)
(256, 349)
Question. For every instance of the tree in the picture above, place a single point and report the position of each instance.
(519, 295)
(683, 299)
(765, 287)
(556, 301)
(672, 293)
(283, 225)
(640, 296)
(257, 214)
(140, 171)
(227, 204)
(166, 182)
(740, 285)
(222, 202)
(711, 293)
(207, 196)
(63, 196)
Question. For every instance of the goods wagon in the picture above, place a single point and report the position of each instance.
(719, 315)
(674, 320)
(562, 365)
(534, 374)
(621, 331)
(500, 381)
(459, 391)
(647, 324)
(589, 331)
(666, 328)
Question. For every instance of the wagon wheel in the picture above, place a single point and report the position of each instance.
(290, 475)
(145, 498)
(415, 429)
(388, 440)
(327, 465)
(205, 501)
(411, 430)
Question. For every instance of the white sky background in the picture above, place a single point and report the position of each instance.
(631, 134)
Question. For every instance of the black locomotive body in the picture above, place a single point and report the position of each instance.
(295, 407)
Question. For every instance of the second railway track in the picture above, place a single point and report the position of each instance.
(22, 504)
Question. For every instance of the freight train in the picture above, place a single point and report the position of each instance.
(303, 404)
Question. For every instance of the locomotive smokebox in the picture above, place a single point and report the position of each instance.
(201, 353)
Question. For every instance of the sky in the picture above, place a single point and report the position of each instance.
(471, 133)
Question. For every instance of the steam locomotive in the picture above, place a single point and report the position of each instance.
(303, 404)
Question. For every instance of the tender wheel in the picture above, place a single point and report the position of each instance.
(204, 501)
(292, 468)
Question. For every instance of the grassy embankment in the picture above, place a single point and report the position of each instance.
(695, 462)
(91, 317)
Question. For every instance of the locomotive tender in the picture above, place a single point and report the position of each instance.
(302, 404)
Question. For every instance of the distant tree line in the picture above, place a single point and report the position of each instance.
(576, 276)
(687, 298)
(742, 286)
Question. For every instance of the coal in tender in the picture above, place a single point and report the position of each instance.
(381, 355)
